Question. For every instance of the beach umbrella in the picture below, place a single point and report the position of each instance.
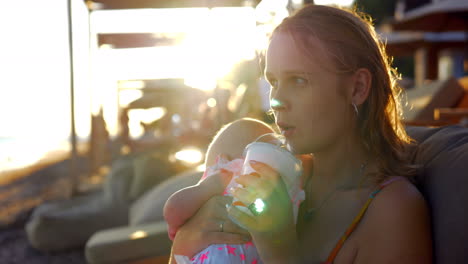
(444, 15)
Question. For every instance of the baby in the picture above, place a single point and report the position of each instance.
(184, 204)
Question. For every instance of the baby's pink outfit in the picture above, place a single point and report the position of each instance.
(239, 253)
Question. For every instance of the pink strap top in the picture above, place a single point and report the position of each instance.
(357, 219)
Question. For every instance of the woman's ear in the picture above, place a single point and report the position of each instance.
(362, 82)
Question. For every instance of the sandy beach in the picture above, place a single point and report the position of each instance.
(21, 190)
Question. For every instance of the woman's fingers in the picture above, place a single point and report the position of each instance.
(222, 201)
(264, 170)
(228, 238)
(219, 220)
(254, 187)
(231, 227)
(215, 207)
(244, 219)
(244, 195)
(204, 228)
(252, 179)
(273, 210)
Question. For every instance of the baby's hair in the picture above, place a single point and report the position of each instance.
(234, 137)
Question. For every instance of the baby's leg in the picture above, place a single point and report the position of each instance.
(234, 137)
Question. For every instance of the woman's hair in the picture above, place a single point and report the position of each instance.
(349, 40)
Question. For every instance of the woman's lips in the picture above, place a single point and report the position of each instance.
(286, 130)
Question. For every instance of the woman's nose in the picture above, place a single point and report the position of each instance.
(277, 105)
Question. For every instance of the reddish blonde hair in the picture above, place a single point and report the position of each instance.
(350, 42)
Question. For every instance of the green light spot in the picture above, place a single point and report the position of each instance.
(275, 103)
(259, 205)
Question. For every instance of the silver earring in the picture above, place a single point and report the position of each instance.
(355, 109)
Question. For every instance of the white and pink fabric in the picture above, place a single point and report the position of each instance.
(233, 254)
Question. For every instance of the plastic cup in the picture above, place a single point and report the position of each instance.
(274, 153)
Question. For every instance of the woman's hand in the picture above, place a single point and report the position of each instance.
(273, 230)
(268, 186)
(210, 225)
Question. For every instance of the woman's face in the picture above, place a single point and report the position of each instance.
(314, 110)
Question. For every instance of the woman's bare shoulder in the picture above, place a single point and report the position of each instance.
(397, 193)
(396, 228)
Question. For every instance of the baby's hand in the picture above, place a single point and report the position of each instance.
(223, 158)
(217, 182)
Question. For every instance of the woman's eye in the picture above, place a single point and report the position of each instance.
(299, 80)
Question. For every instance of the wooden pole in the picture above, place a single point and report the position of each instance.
(74, 153)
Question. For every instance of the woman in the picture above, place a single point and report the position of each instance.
(333, 94)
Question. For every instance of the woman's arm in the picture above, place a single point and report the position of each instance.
(202, 229)
(184, 203)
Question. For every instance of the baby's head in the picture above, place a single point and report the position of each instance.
(234, 137)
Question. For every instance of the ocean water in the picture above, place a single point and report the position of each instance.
(17, 152)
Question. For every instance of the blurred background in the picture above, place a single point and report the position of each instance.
(106, 78)
(110, 77)
(84, 83)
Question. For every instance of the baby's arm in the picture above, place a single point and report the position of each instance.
(229, 141)
(184, 203)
